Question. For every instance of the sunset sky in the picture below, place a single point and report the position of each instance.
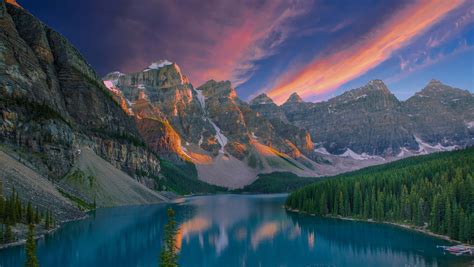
(317, 48)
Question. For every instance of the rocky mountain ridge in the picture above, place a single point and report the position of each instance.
(211, 124)
(371, 120)
(53, 107)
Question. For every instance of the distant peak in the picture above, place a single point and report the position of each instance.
(434, 81)
(261, 99)
(378, 85)
(294, 98)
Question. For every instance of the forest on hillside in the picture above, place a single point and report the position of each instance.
(435, 192)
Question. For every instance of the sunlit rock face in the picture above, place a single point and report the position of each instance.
(52, 102)
(170, 94)
(208, 125)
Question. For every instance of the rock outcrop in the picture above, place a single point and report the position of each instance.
(52, 103)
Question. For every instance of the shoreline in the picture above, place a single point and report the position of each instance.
(400, 225)
(41, 234)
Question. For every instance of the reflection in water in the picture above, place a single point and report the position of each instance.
(266, 231)
(311, 240)
(195, 225)
(229, 230)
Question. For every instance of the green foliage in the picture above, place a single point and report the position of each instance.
(436, 191)
(13, 211)
(169, 250)
(132, 139)
(182, 179)
(81, 204)
(276, 182)
(31, 259)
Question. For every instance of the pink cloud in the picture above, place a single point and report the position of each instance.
(218, 40)
(327, 72)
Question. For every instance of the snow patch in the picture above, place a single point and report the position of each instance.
(159, 64)
(322, 150)
(403, 152)
(219, 136)
(425, 148)
(253, 135)
(361, 96)
(364, 156)
(470, 124)
(200, 140)
(201, 98)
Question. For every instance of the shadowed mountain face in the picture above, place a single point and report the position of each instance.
(372, 120)
(368, 119)
(53, 107)
(53, 102)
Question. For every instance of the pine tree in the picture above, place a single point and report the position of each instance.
(37, 216)
(169, 251)
(47, 221)
(357, 199)
(29, 214)
(31, 259)
(8, 235)
(1, 233)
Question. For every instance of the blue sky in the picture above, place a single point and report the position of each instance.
(317, 48)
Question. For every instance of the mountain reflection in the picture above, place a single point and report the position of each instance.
(232, 230)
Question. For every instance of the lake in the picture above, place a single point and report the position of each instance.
(232, 230)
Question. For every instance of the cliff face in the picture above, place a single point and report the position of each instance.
(52, 102)
(441, 114)
(371, 120)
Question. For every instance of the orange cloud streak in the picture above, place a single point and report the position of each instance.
(328, 72)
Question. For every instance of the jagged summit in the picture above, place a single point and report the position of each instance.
(378, 84)
(261, 99)
(294, 98)
(434, 82)
(221, 88)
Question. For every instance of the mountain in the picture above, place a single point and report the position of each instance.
(440, 114)
(230, 141)
(57, 116)
(227, 141)
(116, 139)
(371, 121)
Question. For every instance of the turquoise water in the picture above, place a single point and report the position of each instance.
(232, 230)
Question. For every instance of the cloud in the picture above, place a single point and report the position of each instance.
(327, 72)
(219, 40)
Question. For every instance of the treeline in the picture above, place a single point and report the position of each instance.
(434, 191)
(14, 211)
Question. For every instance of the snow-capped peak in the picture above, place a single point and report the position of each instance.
(159, 64)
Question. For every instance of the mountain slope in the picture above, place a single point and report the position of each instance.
(210, 126)
(53, 105)
(370, 121)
